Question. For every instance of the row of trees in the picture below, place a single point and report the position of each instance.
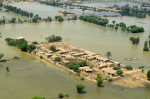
(21, 44)
(104, 22)
(18, 11)
(94, 19)
(125, 28)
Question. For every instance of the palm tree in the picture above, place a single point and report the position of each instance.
(108, 54)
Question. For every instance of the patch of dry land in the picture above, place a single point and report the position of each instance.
(134, 81)
(96, 64)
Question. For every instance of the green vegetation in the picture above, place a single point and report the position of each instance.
(41, 57)
(52, 3)
(2, 21)
(13, 20)
(31, 47)
(110, 80)
(82, 78)
(7, 69)
(36, 18)
(80, 88)
(148, 75)
(141, 67)
(53, 48)
(116, 67)
(16, 57)
(21, 44)
(1, 55)
(54, 38)
(142, 70)
(94, 19)
(119, 72)
(108, 54)
(104, 22)
(134, 40)
(18, 11)
(146, 48)
(99, 80)
(48, 19)
(60, 95)
(57, 59)
(75, 65)
(140, 13)
(34, 42)
(129, 67)
(59, 18)
(37, 97)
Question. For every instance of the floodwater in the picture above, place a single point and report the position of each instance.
(31, 76)
(46, 10)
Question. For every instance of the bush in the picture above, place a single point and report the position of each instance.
(80, 88)
(53, 48)
(141, 67)
(110, 80)
(116, 67)
(37, 97)
(34, 42)
(41, 56)
(57, 59)
(148, 75)
(82, 78)
(16, 57)
(119, 72)
(1, 55)
(129, 67)
(60, 95)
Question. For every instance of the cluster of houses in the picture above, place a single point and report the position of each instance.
(71, 54)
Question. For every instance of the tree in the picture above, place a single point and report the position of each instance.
(113, 22)
(119, 72)
(59, 18)
(31, 47)
(99, 80)
(53, 48)
(108, 54)
(60, 95)
(13, 20)
(80, 88)
(1, 55)
(148, 75)
(129, 67)
(54, 38)
(57, 59)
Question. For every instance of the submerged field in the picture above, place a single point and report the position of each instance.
(31, 76)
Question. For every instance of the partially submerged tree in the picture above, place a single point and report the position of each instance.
(80, 88)
(1, 55)
(99, 80)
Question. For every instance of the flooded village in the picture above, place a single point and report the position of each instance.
(74, 49)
